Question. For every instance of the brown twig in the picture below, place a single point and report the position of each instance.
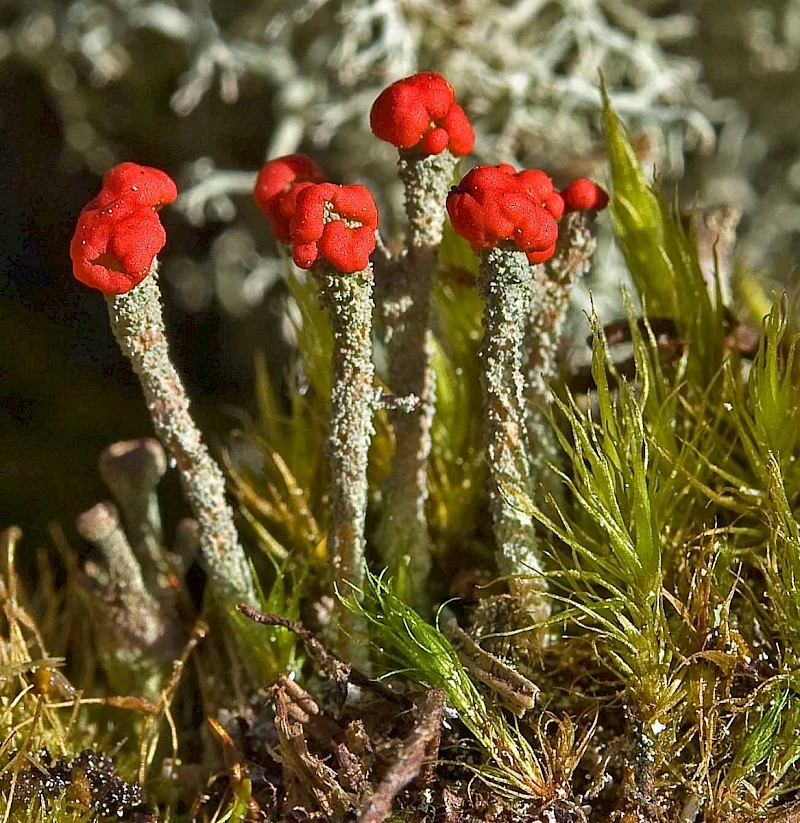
(333, 666)
(411, 757)
(514, 690)
(327, 660)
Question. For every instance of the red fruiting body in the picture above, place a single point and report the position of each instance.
(278, 184)
(536, 257)
(334, 223)
(494, 205)
(118, 232)
(584, 195)
(420, 112)
(138, 186)
(540, 187)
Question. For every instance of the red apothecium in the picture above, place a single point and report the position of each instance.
(334, 223)
(493, 205)
(138, 185)
(420, 112)
(584, 195)
(118, 232)
(277, 186)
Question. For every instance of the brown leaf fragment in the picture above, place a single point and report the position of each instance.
(302, 706)
(514, 690)
(311, 785)
(357, 738)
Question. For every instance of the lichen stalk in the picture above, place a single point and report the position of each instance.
(426, 182)
(552, 291)
(132, 470)
(138, 325)
(505, 281)
(139, 634)
(354, 398)
(406, 311)
(552, 288)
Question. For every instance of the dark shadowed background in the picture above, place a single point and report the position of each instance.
(65, 390)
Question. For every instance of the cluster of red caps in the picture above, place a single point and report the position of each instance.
(492, 206)
(119, 232)
(496, 205)
(420, 114)
(321, 220)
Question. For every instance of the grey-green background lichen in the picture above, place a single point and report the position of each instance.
(272, 78)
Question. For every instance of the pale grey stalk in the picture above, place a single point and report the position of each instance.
(426, 182)
(551, 294)
(354, 399)
(138, 325)
(403, 537)
(505, 284)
